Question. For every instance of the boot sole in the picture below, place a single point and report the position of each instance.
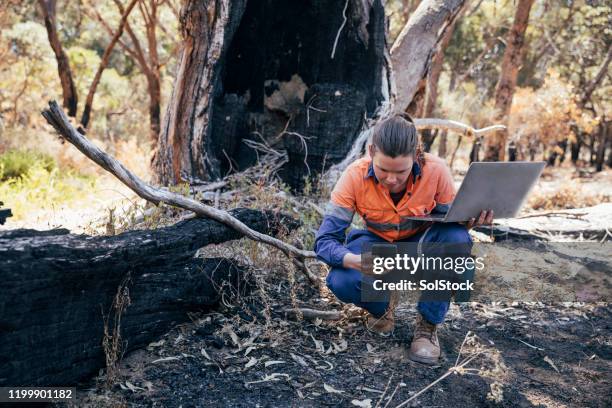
(423, 360)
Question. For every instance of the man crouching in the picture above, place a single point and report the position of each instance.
(396, 180)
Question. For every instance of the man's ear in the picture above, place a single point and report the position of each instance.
(371, 150)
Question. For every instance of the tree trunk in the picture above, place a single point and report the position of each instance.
(414, 48)
(475, 152)
(86, 116)
(251, 69)
(58, 288)
(153, 75)
(69, 92)
(431, 87)
(575, 148)
(442, 145)
(504, 91)
(604, 141)
(154, 88)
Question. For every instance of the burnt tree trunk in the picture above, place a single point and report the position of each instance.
(69, 92)
(504, 91)
(58, 288)
(253, 69)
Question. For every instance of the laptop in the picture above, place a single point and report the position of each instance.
(498, 186)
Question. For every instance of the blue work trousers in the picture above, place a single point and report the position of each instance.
(346, 283)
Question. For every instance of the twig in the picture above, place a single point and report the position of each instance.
(454, 369)
(313, 314)
(554, 213)
(340, 29)
(58, 119)
(529, 345)
(384, 392)
(461, 348)
(392, 394)
(432, 123)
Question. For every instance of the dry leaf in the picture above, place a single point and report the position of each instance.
(251, 362)
(148, 385)
(318, 344)
(132, 387)
(366, 403)
(299, 360)
(552, 364)
(159, 360)
(273, 362)
(156, 344)
(341, 346)
(271, 377)
(331, 389)
(205, 354)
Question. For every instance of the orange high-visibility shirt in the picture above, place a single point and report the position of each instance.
(429, 188)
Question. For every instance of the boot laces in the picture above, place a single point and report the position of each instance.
(425, 329)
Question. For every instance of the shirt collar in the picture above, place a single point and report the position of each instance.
(416, 171)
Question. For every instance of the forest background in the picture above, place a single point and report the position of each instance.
(560, 110)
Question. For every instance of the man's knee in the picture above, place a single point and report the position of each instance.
(452, 233)
(345, 284)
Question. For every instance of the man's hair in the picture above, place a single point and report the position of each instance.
(397, 136)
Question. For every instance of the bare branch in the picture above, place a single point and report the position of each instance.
(445, 124)
(340, 29)
(58, 119)
(105, 58)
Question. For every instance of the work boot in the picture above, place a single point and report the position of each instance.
(425, 347)
(384, 324)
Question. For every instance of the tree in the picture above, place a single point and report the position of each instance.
(86, 116)
(148, 60)
(504, 90)
(431, 87)
(298, 77)
(255, 76)
(415, 46)
(69, 92)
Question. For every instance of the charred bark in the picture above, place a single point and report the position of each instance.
(57, 289)
(4, 213)
(251, 68)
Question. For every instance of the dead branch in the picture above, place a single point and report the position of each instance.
(577, 216)
(446, 124)
(58, 119)
(312, 314)
(333, 53)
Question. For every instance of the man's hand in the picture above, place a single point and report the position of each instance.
(485, 218)
(352, 261)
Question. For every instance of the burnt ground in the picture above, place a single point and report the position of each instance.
(247, 354)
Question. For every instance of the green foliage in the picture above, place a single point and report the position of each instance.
(18, 164)
(43, 187)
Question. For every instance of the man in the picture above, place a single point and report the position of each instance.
(397, 180)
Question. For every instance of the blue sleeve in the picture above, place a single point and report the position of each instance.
(329, 241)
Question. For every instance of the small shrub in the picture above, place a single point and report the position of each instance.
(19, 163)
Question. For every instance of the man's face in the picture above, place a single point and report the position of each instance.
(391, 172)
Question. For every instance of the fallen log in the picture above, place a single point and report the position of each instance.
(57, 290)
(4, 214)
(56, 117)
(590, 223)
